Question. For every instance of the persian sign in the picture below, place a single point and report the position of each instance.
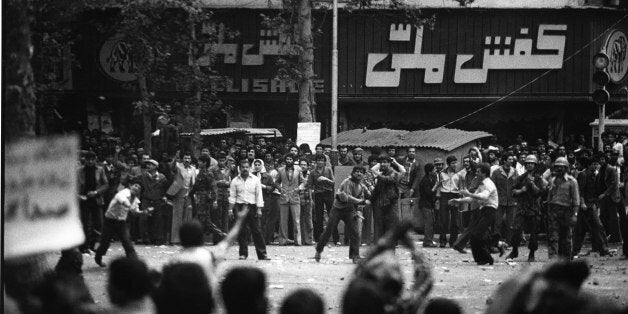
(616, 49)
(500, 53)
(40, 196)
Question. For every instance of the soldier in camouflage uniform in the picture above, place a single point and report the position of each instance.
(564, 201)
(527, 190)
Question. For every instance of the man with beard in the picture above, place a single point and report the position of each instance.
(222, 178)
(385, 195)
(527, 190)
(184, 179)
(350, 194)
(290, 183)
(343, 159)
(92, 182)
(245, 192)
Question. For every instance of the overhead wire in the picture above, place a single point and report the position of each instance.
(538, 77)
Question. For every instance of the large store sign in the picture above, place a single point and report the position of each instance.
(616, 49)
(520, 52)
(250, 55)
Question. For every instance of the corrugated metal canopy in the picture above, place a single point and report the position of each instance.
(441, 138)
(222, 131)
(365, 138)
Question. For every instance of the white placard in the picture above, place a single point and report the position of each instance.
(40, 196)
(309, 133)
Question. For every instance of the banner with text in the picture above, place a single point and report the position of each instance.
(309, 133)
(40, 200)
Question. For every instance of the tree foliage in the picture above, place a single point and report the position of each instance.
(167, 39)
(295, 21)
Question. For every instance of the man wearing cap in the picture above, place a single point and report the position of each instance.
(448, 184)
(527, 190)
(564, 202)
(153, 197)
(92, 182)
(358, 158)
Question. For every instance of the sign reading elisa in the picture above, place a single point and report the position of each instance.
(616, 49)
(116, 59)
(40, 196)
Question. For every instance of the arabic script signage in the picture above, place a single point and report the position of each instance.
(616, 49)
(505, 53)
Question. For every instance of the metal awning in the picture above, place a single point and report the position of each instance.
(267, 132)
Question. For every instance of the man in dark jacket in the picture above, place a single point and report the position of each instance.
(427, 202)
(93, 183)
(505, 178)
(527, 190)
(589, 212)
(385, 195)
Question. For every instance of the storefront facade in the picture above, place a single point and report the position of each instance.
(524, 71)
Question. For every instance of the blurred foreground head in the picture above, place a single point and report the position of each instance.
(303, 301)
(555, 289)
(184, 289)
(244, 291)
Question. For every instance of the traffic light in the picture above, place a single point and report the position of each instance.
(601, 96)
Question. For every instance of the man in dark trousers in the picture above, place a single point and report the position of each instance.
(321, 180)
(127, 200)
(564, 202)
(385, 195)
(589, 212)
(351, 193)
(427, 202)
(93, 184)
(527, 190)
(486, 197)
(245, 191)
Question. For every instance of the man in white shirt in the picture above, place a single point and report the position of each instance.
(115, 222)
(487, 199)
(245, 191)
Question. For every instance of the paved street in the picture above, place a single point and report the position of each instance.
(456, 275)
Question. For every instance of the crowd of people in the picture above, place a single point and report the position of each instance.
(278, 193)
(491, 201)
